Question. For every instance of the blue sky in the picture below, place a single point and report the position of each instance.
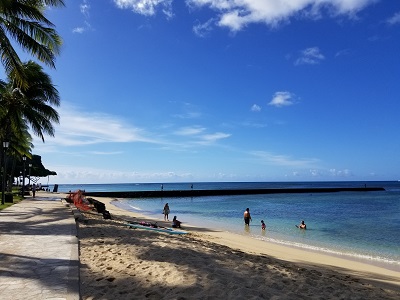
(226, 90)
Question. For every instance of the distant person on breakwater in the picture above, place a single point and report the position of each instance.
(247, 217)
(166, 212)
(162, 187)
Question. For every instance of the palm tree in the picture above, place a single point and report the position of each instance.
(24, 22)
(27, 107)
(31, 105)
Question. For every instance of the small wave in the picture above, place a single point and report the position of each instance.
(134, 207)
(125, 205)
(332, 252)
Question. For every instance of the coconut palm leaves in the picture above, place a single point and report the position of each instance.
(28, 106)
(23, 22)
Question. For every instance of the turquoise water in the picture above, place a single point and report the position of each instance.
(362, 225)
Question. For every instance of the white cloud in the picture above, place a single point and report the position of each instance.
(255, 108)
(78, 128)
(195, 130)
(343, 52)
(340, 173)
(315, 173)
(283, 160)
(310, 56)
(395, 19)
(78, 30)
(146, 7)
(202, 30)
(75, 173)
(84, 8)
(236, 14)
(281, 99)
(212, 138)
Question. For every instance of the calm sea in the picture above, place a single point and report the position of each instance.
(362, 225)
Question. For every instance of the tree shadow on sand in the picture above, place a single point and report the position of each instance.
(133, 264)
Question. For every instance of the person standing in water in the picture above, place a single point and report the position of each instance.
(247, 217)
(166, 212)
(302, 225)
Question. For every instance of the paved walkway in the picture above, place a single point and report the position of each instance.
(38, 251)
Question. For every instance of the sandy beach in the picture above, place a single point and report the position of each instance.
(118, 262)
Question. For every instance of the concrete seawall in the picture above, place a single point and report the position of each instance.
(198, 193)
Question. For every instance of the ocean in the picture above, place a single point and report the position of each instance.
(357, 225)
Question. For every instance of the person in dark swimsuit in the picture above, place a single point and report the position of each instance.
(247, 217)
(302, 225)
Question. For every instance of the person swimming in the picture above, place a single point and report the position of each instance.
(263, 225)
(302, 225)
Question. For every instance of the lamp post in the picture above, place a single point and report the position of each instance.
(3, 186)
(23, 175)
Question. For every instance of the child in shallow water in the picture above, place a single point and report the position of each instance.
(262, 225)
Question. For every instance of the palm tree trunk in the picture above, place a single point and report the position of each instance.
(11, 175)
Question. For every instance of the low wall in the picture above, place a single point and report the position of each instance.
(198, 193)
